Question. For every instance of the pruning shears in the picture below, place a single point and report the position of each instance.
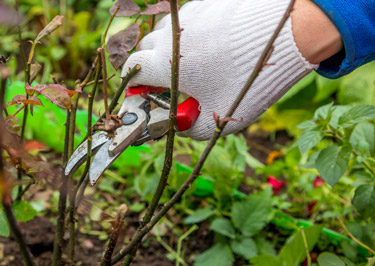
(138, 123)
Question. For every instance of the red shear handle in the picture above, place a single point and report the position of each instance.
(187, 112)
(143, 90)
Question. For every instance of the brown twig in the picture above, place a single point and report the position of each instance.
(73, 194)
(109, 24)
(60, 226)
(354, 238)
(175, 69)
(106, 260)
(5, 192)
(172, 113)
(104, 68)
(177, 196)
(131, 73)
(101, 80)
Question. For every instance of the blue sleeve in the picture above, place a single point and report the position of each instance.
(355, 19)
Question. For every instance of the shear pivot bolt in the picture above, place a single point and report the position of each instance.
(129, 118)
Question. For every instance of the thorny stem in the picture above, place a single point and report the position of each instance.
(104, 68)
(101, 80)
(6, 198)
(15, 230)
(177, 196)
(171, 132)
(106, 260)
(175, 69)
(306, 246)
(109, 24)
(73, 195)
(129, 259)
(131, 73)
(172, 114)
(354, 238)
(60, 226)
(81, 85)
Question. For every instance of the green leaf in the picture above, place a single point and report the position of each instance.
(199, 215)
(244, 247)
(357, 114)
(323, 112)
(224, 227)
(4, 227)
(307, 124)
(330, 259)
(309, 139)
(265, 247)
(250, 215)
(23, 211)
(293, 252)
(364, 199)
(265, 260)
(218, 255)
(363, 137)
(332, 163)
(347, 261)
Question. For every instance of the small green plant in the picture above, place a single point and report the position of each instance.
(344, 142)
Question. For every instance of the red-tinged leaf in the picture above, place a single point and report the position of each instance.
(32, 145)
(119, 44)
(22, 99)
(127, 8)
(58, 95)
(29, 90)
(34, 101)
(162, 7)
(16, 100)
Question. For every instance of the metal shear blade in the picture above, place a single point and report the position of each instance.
(79, 156)
(134, 115)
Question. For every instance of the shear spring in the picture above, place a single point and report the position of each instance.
(158, 99)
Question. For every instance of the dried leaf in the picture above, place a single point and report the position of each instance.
(117, 60)
(8, 16)
(127, 8)
(52, 26)
(5, 72)
(119, 44)
(162, 7)
(32, 145)
(22, 99)
(34, 70)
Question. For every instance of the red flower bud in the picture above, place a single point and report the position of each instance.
(318, 182)
(276, 184)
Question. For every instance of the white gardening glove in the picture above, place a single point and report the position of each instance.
(221, 42)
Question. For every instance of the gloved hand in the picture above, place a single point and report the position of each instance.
(220, 44)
